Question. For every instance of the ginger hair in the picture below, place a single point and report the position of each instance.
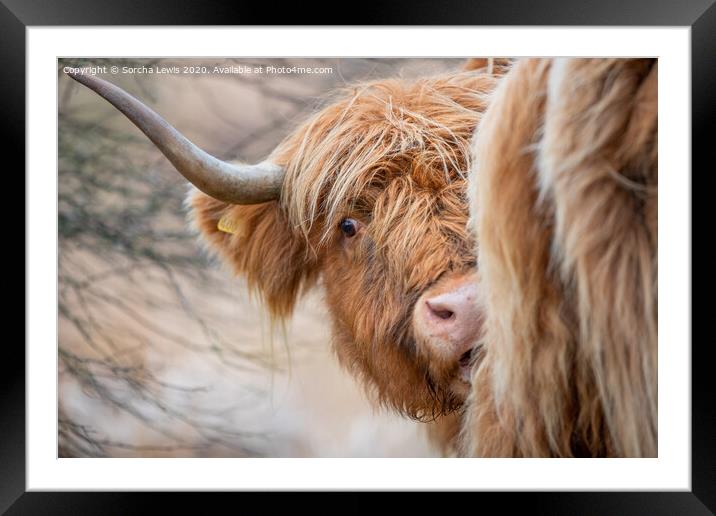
(564, 209)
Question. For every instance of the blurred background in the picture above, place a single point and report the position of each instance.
(162, 353)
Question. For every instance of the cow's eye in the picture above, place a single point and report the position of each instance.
(350, 227)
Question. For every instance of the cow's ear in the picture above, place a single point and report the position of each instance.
(257, 242)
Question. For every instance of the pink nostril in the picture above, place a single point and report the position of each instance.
(454, 305)
(448, 320)
(439, 311)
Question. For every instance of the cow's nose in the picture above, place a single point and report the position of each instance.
(449, 317)
(445, 306)
(454, 311)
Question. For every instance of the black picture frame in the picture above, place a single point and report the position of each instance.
(700, 15)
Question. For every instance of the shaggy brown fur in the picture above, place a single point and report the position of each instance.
(564, 199)
(493, 65)
(393, 155)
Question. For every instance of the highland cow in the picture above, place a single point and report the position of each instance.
(551, 317)
(368, 196)
(564, 207)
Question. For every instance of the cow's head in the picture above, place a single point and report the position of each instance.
(367, 196)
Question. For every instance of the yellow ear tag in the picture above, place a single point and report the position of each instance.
(228, 224)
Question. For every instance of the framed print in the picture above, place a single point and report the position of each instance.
(420, 257)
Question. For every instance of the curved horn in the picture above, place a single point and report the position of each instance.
(231, 183)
